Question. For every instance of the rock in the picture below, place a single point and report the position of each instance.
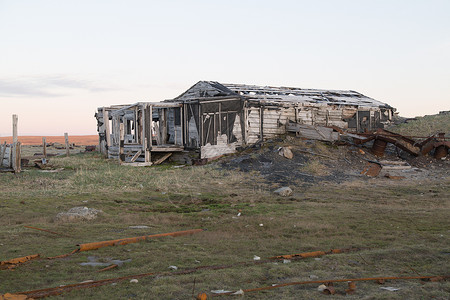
(313, 277)
(134, 281)
(283, 191)
(173, 267)
(240, 292)
(286, 152)
(255, 257)
(321, 287)
(78, 214)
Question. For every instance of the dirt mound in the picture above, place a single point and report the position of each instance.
(315, 161)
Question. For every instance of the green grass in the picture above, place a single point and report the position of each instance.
(402, 228)
(425, 126)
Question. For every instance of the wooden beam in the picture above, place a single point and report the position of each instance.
(3, 154)
(162, 159)
(66, 139)
(107, 127)
(133, 159)
(17, 158)
(15, 120)
(121, 143)
(44, 147)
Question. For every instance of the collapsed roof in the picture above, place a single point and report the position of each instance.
(269, 94)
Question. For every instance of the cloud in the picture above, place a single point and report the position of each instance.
(47, 86)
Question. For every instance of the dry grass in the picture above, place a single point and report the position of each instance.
(402, 228)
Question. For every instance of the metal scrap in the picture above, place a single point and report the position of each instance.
(12, 263)
(429, 278)
(97, 245)
(372, 169)
(41, 293)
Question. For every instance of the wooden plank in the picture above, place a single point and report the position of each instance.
(17, 158)
(162, 159)
(15, 120)
(133, 159)
(44, 147)
(121, 143)
(137, 164)
(66, 139)
(167, 149)
(3, 154)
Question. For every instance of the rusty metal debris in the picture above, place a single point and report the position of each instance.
(108, 268)
(351, 287)
(97, 245)
(382, 137)
(9, 296)
(313, 254)
(12, 263)
(393, 177)
(49, 231)
(41, 293)
(327, 282)
(372, 169)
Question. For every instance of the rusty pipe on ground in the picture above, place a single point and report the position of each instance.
(41, 293)
(97, 245)
(378, 279)
(12, 263)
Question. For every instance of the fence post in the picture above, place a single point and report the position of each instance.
(66, 138)
(44, 145)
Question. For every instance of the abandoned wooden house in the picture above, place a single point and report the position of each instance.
(215, 119)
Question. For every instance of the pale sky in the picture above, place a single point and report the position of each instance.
(60, 60)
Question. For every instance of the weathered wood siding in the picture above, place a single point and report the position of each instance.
(6, 162)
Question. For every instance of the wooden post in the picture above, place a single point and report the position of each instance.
(3, 154)
(15, 120)
(16, 158)
(66, 138)
(44, 146)
(16, 147)
(107, 127)
(122, 143)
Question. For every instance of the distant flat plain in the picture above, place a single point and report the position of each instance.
(37, 140)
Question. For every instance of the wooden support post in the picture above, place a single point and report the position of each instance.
(220, 118)
(149, 138)
(261, 122)
(3, 154)
(122, 143)
(44, 147)
(66, 139)
(15, 120)
(107, 127)
(16, 158)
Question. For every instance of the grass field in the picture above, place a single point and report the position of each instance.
(425, 126)
(402, 229)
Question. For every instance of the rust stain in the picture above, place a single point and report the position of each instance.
(12, 263)
(97, 245)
